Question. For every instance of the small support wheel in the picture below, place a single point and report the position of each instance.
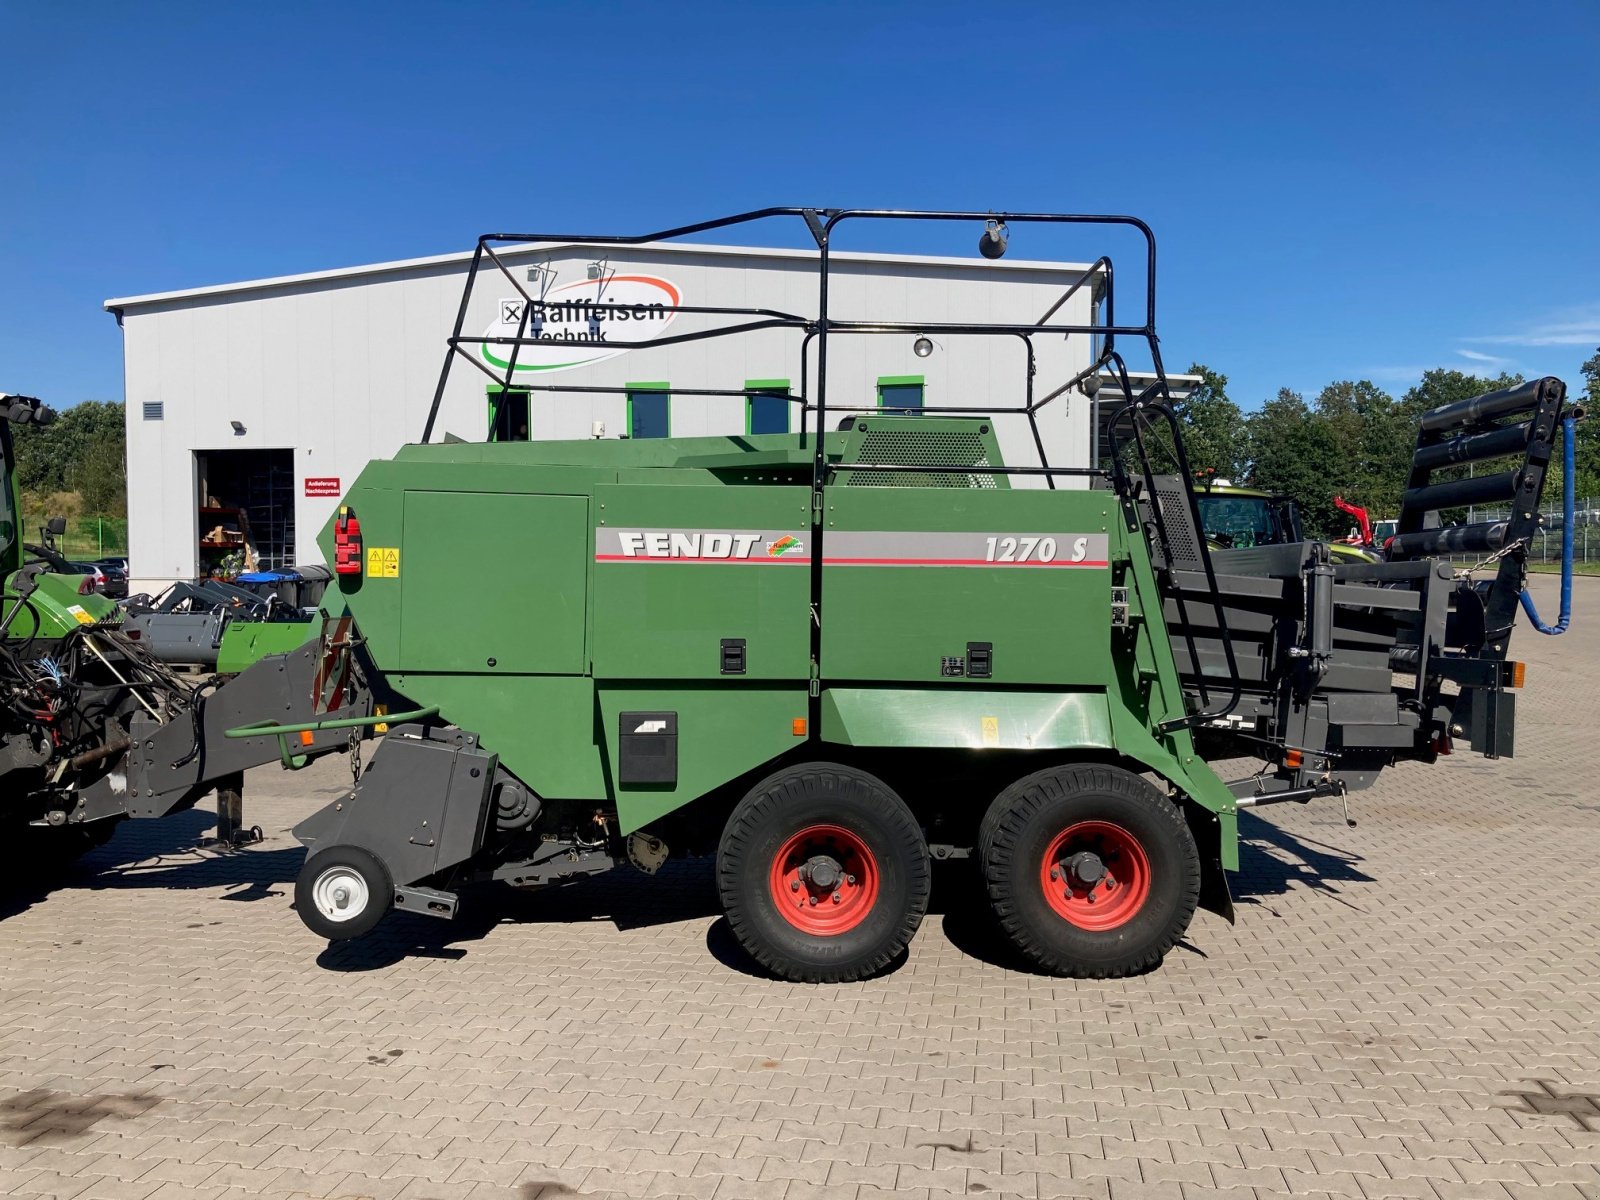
(342, 892)
(823, 873)
(1092, 872)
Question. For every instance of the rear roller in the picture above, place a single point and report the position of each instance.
(1092, 872)
(823, 873)
(342, 892)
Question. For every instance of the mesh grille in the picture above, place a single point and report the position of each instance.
(922, 448)
(1179, 522)
(154, 410)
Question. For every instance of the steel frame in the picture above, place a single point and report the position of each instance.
(821, 223)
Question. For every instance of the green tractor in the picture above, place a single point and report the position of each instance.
(1234, 517)
(830, 658)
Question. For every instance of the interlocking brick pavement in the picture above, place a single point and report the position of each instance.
(1407, 1008)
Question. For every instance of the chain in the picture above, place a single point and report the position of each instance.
(355, 756)
(1467, 572)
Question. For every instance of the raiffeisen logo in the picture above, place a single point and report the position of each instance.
(785, 545)
(575, 324)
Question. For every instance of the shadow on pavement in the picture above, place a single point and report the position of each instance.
(1274, 861)
(169, 853)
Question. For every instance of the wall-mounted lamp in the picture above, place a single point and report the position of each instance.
(238, 428)
(923, 346)
(597, 269)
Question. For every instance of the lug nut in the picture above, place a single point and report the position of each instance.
(813, 901)
(836, 897)
(1055, 873)
(849, 878)
(794, 886)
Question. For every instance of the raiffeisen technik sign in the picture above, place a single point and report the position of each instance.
(574, 325)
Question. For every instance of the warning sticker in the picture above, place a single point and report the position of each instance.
(79, 615)
(383, 562)
(991, 731)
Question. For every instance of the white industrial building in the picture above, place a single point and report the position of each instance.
(267, 397)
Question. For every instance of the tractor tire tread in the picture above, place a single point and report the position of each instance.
(1004, 822)
(763, 804)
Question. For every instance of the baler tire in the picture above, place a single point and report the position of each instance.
(355, 863)
(875, 829)
(1037, 818)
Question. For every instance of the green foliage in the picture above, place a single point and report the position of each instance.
(1587, 480)
(84, 451)
(1296, 451)
(1214, 433)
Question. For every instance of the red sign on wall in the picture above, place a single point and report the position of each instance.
(324, 486)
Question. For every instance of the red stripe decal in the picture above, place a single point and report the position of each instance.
(844, 562)
(684, 558)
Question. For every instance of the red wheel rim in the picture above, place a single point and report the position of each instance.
(824, 880)
(1096, 875)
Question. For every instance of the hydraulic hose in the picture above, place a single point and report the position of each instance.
(1568, 512)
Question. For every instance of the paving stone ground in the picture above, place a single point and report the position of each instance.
(1404, 1009)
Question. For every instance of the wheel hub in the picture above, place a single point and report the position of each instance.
(1096, 875)
(1086, 867)
(824, 880)
(822, 872)
(340, 894)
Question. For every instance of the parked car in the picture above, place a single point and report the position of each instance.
(108, 581)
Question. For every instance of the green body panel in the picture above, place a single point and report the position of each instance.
(518, 552)
(969, 718)
(55, 607)
(668, 620)
(525, 555)
(723, 732)
(245, 643)
(545, 728)
(1047, 625)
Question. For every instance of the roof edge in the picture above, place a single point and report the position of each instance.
(117, 305)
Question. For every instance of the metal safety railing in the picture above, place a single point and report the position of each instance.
(816, 332)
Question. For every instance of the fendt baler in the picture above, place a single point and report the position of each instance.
(829, 657)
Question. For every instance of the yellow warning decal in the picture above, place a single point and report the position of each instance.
(79, 615)
(380, 710)
(383, 562)
(991, 731)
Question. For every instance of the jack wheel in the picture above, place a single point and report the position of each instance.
(342, 892)
(1092, 872)
(823, 873)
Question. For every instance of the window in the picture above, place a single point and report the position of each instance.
(903, 393)
(768, 413)
(508, 414)
(649, 410)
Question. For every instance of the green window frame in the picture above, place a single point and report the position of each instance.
(766, 385)
(652, 389)
(495, 392)
(904, 381)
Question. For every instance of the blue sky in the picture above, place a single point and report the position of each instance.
(1340, 191)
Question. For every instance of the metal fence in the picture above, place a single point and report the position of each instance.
(1546, 545)
(89, 538)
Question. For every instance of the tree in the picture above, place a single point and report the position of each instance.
(1359, 417)
(88, 439)
(1214, 432)
(101, 479)
(1587, 477)
(1294, 452)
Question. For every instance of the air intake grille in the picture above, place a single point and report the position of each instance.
(918, 448)
(1174, 501)
(154, 410)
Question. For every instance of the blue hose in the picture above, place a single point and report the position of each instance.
(1568, 458)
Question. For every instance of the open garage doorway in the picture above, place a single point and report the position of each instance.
(245, 503)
